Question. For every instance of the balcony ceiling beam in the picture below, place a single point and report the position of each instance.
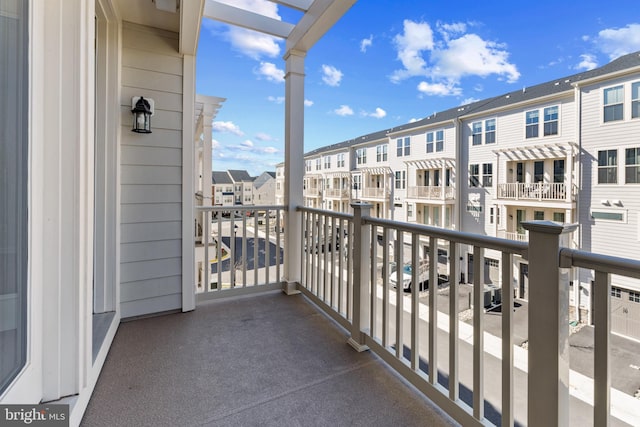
(321, 16)
(301, 5)
(246, 19)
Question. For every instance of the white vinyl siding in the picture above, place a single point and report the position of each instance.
(151, 175)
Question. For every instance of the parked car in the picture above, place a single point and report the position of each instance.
(407, 270)
(423, 276)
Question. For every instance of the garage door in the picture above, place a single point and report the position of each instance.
(625, 312)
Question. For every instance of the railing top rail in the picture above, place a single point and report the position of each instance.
(605, 263)
(241, 208)
(338, 215)
(504, 245)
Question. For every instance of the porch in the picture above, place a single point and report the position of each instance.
(267, 359)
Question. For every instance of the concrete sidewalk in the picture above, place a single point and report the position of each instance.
(624, 406)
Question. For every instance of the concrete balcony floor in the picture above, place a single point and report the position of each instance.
(268, 360)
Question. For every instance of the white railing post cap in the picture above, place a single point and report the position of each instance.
(548, 227)
(361, 205)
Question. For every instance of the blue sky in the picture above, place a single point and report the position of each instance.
(387, 63)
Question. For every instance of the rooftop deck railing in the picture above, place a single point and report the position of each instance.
(347, 272)
(431, 192)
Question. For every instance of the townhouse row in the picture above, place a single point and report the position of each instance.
(567, 150)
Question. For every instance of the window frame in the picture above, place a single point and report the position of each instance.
(635, 100)
(553, 121)
(490, 132)
(607, 166)
(487, 175)
(612, 106)
(532, 124)
(474, 175)
(476, 133)
(632, 166)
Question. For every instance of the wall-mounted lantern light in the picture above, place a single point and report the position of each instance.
(142, 112)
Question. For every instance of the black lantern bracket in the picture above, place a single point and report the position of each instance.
(142, 110)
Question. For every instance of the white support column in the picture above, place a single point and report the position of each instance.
(548, 386)
(293, 168)
(361, 286)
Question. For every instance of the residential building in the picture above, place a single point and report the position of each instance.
(553, 151)
(223, 189)
(264, 189)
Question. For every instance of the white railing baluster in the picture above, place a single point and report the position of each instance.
(219, 255)
(373, 312)
(433, 310)
(602, 344)
(415, 303)
(244, 249)
(256, 241)
(507, 340)
(385, 287)
(206, 234)
(478, 329)
(340, 232)
(454, 384)
(399, 246)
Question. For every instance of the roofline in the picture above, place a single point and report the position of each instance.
(607, 76)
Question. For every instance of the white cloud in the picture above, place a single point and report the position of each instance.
(271, 72)
(276, 99)
(331, 75)
(251, 43)
(269, 150)
(439, 89)
(261, 136)
(366, 43)
(344, 111)
(413, 120)
(378, 113)
(471, 55)
(248, 144)
(308, 103)
(616, 42)
(588, 62)
(450, 57)
(226, 127)
(416, 38)
(468, 101)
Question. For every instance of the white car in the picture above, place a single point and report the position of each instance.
(407, 269)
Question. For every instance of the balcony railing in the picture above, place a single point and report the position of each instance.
(431, 193)
(243, 246)
(312, 192)
(513, 235)
(346, 272)
(556, 191)
(374, 193)
(336, 193)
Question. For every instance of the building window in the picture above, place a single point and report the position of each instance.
(436, 177)
(532, 124)
(474, 175)
(487, 175)
(538, 171)
(409, 209)
(381, 153)
(635, 100)
(558, 170)
(430, 142)
(361, 156)
(551, 121)
(613, 103)
(403, 147)
(436, 216)
(607, 167)
(558, 217)
(476, 133)
(14, 74)
(616, 292)
(357, 182)
(401, 180)
(440, 140)
(340, 160)
(490, 131)
(538, 215)
(327, 162)
(307, 166)
(632, 166)
(634, 296)
(498, 215)
(616, 216)
(318, 164)
(491, 213)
